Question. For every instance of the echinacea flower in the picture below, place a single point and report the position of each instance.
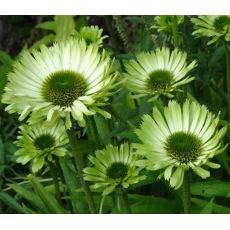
(178, 139)
(165, 22)
(91, 34)
(113, 166)
(212, 26)
(158, 72)
(40, 142)
(69, 79)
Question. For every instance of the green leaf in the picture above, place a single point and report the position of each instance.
(208, 207)
(46, 40)
(86, 146)
(122, 107)
(65, 26)
(211, 188)
(30, 196)
(151, 177)
(102, 129)
(3, 78)
(216, 208)
(5, 59)
(82, 21)
(92, 135)
(28, 210)
(6, 66)
(50, 25)
(223, 158)
(2, 159)
(150, 204)
(49, 201)
(73, 183)
(216, 56)
(11, 202)
(10, 147)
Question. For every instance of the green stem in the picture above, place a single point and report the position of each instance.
(101, 205)
(186, 192)
(79, 163)
(228, 74)
(55, 179)
(176, 38)
(121, 201)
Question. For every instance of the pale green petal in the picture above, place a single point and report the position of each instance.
(99, 185)
(204, 26)
(29, 134)
(103, 163)
(201, 172)
(108, 190)
(24, 91)
(168, 172)
(177, 178)
(138, 71)
(213, 165)
(189, 119)
(37, 163)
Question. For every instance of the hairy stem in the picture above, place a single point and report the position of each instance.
(79, 163)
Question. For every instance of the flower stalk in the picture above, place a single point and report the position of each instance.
(186, 192)
(79, 163)
(55, 179)
(121, 201)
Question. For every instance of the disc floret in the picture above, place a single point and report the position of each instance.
(63, 87)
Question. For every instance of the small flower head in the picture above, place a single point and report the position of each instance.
(212, 26)
(158, 72)
(40, 142)
(180, 138)
(91, 34)
(113, 167)
(165, 23)
(69, 79)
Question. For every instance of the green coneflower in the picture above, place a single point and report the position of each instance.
(69, 79)
(40, 142)
(113, 167)
(212, 26)
(179, 139)
(158, 72)
(165, 23)
(91, 34)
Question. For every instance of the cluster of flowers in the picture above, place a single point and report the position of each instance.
(74, 78)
